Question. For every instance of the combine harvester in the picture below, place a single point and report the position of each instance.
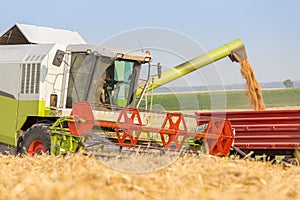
(59, 95)
(56, 91)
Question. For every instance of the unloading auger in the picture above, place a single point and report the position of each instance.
(235, 50)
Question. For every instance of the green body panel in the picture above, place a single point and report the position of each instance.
(194, 64)
(14, 114)
(35, 108)
(8, 120)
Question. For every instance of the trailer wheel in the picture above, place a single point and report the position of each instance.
(37, 140)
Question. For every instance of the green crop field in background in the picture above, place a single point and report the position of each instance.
(217, 100)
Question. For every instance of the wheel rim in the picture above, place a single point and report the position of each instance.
(36, 147)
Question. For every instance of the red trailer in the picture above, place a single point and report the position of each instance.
(270, 132)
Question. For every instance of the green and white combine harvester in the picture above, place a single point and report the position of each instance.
(46, 71)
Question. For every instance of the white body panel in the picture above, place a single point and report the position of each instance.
(10, 81)
(51, 76)
(31, 34)
(27, 72)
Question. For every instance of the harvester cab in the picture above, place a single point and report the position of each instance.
(102, 76)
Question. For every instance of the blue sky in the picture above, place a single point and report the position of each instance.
(269, 29)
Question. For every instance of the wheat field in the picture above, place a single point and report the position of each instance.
(83, 177)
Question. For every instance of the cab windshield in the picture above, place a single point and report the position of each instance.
(102, 80)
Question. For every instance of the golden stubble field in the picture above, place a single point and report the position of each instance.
(82, 177)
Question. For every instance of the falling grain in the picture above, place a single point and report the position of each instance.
(253, 87)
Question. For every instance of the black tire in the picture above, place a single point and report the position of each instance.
(37, 139)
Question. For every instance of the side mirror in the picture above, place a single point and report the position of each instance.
(58, 58)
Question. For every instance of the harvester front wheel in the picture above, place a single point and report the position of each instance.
(37, 139)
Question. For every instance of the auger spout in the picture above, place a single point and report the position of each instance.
(235, 50)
